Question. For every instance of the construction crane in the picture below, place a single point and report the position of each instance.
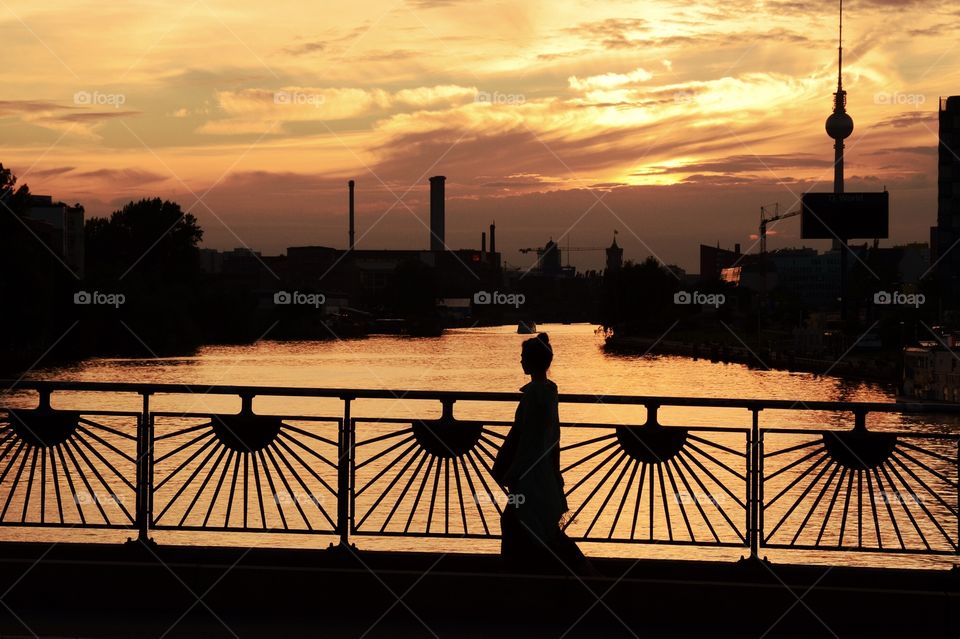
(541, 251)
(764, 220)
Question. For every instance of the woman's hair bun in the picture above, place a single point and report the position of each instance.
(537, 352)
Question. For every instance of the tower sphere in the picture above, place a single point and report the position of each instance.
(839, 126)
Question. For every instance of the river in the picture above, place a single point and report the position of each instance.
(478, 359)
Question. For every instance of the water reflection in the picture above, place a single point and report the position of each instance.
(483, 359)
(479, 359)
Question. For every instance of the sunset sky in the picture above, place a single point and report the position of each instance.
(670, 121)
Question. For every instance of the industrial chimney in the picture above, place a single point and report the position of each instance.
(483, 243)
(493, 238)
(352, 243)
(437, 213)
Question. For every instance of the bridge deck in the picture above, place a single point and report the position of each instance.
(132, 590)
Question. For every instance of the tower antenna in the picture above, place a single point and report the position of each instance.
(840, 50)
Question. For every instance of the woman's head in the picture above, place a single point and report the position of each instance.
(536, 355)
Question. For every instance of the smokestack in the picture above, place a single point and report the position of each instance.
(352, 184)
(483, 242)
(437, 213)
(493, 238)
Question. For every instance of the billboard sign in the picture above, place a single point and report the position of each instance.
(845, 216)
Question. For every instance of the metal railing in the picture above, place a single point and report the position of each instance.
(378, 475)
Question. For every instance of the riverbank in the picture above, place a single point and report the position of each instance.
(879, 367)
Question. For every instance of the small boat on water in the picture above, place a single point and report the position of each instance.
(526, 328)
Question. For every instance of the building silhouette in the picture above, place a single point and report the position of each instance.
(614, 256)
(945, 236)
(60, 227)
(437, 213)
(811, 276)
(551, 263)
(366, 277)
(713, 260)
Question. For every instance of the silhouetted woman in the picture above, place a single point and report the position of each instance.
(528, 465)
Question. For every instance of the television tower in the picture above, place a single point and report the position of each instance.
(839, 125)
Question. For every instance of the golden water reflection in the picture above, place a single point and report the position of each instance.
(480, 359)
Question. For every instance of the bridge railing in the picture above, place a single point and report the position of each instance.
(845, 487)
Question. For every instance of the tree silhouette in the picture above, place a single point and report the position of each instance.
(150, 240)
(638, 299)
(148, 252)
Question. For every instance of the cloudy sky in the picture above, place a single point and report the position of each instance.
(671, 121)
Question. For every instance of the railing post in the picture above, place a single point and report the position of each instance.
(43, 399)
(447, 409)
(144, 496)
(755, 486)
(344, 473)
(246, 403)
(652, 419)
(860, 421)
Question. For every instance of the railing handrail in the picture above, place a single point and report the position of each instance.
(143, 388)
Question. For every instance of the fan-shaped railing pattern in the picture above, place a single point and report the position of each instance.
(372, 475)
(429, 478)
(68, 468)
(244, 472)
(656, 484)
(860, 490)
(623, 484)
